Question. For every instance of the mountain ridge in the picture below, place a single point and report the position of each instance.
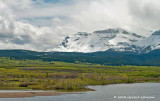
(101, 40)
(117, 39)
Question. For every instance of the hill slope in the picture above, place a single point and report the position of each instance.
(109, 57)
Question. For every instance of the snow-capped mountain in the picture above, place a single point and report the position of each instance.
(101, 40)
(150, 43)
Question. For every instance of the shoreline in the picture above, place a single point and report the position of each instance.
(30, 94)
(48, 93)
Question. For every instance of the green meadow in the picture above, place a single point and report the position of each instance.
(43, 75)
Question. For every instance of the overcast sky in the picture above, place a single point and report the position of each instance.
(43, 24)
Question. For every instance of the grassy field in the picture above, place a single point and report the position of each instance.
(42, 75)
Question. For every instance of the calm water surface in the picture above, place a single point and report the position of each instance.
(117, 92)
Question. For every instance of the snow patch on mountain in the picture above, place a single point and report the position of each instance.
(150, 43)
(101, 40)
(153, 40)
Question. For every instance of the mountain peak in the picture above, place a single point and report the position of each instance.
(156, 32)
(150, 43)
(82, 33)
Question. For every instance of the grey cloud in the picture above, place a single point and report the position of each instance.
(14, 34)
(24, 39)
(145, 13)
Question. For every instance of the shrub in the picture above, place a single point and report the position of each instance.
(26, 84)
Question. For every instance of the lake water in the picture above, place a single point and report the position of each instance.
(116, 92)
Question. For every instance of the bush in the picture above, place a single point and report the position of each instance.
(70, 84)
(26, 84)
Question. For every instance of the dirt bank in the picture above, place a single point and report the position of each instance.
(29, 94)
